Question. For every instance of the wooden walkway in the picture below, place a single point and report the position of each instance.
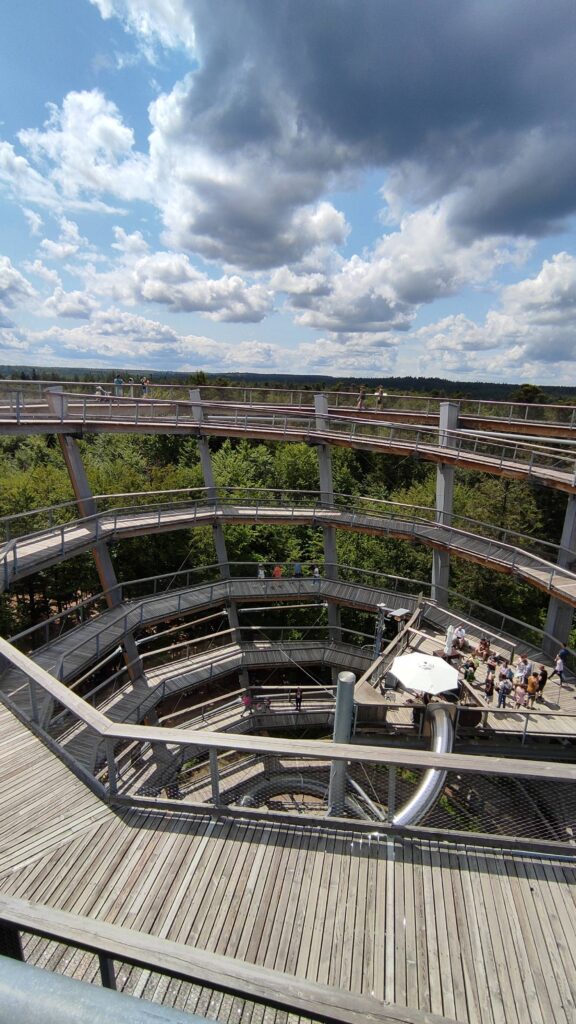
(266, 423)
(76, 649)
(27, 554)
(480, 936)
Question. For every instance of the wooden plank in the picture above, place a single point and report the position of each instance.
(455, 951)
(557, 958)
(537, 955)
(439, 961)
(400, 945)
(422, 965)
(272, 987)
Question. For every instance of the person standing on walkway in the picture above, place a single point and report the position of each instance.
(504, 688)
(558, 669)
(298, 698)
(542, 680)
(261, 574)
(277, 571)
(531, 689)
(118, 385)
(297, 570)
(361, 399)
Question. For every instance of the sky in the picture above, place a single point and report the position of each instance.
(342, 187)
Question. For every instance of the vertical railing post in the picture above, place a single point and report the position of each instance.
(391, 791)
(33, 700)
(107, 972)
(215, 777)
(112, 772)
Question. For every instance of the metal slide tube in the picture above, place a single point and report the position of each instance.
(433, 781)
(29, 995)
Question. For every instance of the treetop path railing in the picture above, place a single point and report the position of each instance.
(505, 550)
(210, 745)
(479, 450)
(360, 588)
(510, 414)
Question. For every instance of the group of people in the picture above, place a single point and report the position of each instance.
(263, 703)
(278, 571)
(523, 684)
(119, 385)
(379, 395)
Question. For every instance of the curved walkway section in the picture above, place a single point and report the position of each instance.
(30, 553)
(553, 467)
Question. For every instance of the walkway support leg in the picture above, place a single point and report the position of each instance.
(444, 501)
(560, 615)
(343, 718)
(327, 496)
(87, 507)
(218, 531)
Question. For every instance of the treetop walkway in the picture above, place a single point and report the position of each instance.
(480, 450)
(126, 822)
(506, 551)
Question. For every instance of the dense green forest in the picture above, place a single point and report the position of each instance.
(34, 476)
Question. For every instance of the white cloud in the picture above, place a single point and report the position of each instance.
(34, 220)
(170, 280)
(417, 264)
(14, 287)
(531, 332)
(130, 243)
(41, 270)
(355, 355)
(168, 22)
(90, 148)
(74, 305)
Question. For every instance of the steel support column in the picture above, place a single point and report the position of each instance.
(217, 529)
(444, 501)
(327, 496)
(343, 717)
(560, 615)
(87, 507)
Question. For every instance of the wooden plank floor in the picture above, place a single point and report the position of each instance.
(477, 935)
(38, 793)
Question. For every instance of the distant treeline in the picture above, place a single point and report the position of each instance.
(435, 386)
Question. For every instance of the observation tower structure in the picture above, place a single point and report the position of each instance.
(169, 825)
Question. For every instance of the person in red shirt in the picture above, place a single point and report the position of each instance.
(277, 572)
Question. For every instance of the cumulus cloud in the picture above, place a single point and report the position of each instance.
(471, 99)
(356, 354)
(138, 341)
(170, 280)
(532, 330)
(466, 111)
(165, 22)
(34, 221)
(90, 149)
(73, 305)
(417, 264)
(14, 287)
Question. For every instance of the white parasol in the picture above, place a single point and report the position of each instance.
(424, 673)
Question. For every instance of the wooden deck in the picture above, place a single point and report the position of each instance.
(472, 934)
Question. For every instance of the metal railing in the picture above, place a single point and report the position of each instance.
(551, 464)
(394, 590)
(504, 550)
(157, 756)
(24, 392)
